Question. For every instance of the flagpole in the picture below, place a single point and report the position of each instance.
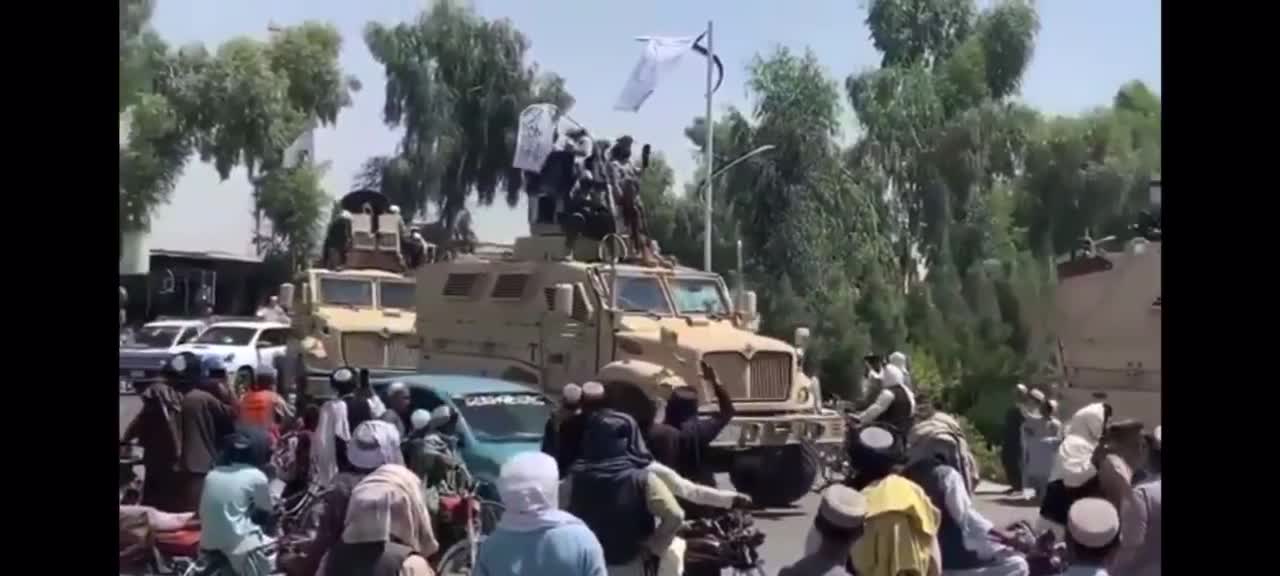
(709, 153)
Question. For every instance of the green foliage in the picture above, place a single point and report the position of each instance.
(240, 106)
(935, 230)
(294, 202)
(456, 83)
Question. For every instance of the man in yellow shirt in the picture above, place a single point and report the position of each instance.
(901, 534)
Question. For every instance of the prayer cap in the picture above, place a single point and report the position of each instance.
(571, 393)
(842, 506)
(1093, 522)
(593, 390)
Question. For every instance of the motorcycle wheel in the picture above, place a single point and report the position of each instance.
(749, 474)
(456, 561)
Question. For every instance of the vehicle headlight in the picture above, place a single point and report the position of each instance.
(804, 394)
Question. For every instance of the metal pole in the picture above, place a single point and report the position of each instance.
(709, 154)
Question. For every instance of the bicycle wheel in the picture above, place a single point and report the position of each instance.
(456, 561)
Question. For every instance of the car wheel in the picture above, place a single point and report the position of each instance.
(244, 377)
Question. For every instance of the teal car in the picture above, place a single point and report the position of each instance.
(497, 419)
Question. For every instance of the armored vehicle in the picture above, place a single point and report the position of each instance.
(1108, 320)
(539, 316)
(356, 307)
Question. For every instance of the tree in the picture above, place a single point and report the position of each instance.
(243, 105)
(456, 83)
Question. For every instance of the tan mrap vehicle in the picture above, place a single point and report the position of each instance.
(1108, 321)
(531, 316)
(357, 309)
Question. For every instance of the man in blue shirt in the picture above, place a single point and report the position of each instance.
(236, 503)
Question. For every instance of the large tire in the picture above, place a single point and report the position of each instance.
(774, 477)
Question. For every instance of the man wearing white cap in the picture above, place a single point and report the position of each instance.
(570, 399)
(373, 444)
(894, 406)
(1093, 534)
(900, 360)
(1140, 514)
(571, 430)
(838, 524)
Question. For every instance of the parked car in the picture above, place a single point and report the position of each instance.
(145, 351)
(246, 347)
(497, 419)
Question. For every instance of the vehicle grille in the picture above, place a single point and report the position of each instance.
(363, 350)
(372, 350)
(766, 377)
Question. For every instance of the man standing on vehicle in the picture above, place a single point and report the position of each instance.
(208, 416)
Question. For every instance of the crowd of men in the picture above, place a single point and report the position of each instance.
(616, 481)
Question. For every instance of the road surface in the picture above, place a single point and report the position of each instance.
(784, 528)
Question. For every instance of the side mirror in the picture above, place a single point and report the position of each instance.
(747, 304)
(670, 339)
(801, 338)
(562, 300)
(286, 295)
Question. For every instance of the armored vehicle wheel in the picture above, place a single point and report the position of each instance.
(774, 477)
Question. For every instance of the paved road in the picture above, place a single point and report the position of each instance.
(785, 528)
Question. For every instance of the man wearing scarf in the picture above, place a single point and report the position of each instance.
(894, 405)
(1074, 474)
(373, 444)
(570, 403)
(387, 530)
(157, 427)
(208, 416)
(901, 534)
(534, 536)
(612, 491)
(569, 441)
(236, 503)
(1011, 453)
(966, 539)
(338, 417)
(694, 434)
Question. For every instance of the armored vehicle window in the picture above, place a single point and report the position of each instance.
(227, 336)
(509, 286)
(698, 296)
(460, 285)
(642, 294)
(397, 295)
(346, 292)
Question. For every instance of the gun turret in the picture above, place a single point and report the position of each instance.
(369, 233)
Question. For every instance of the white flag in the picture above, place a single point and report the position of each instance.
(660, 57)
(534, 141)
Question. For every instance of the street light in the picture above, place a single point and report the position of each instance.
(709, 182)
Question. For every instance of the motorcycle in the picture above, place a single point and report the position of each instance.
(727, 541)
(464, 519)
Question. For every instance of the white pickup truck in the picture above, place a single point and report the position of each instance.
(245, 347)
(143, 355)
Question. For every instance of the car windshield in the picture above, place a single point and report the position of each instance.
(505, 416)
(346, 292)
(155, 336)
(642, 294)
(397, 295)
(698, 296)
(227, 336)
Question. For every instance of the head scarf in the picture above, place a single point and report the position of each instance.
(529, 485)
(681, 407)
(248, 445)
(1074, 462)
(387, 505)
(373, 444)
(611, 443)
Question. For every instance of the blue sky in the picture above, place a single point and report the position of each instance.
(1086, 49)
